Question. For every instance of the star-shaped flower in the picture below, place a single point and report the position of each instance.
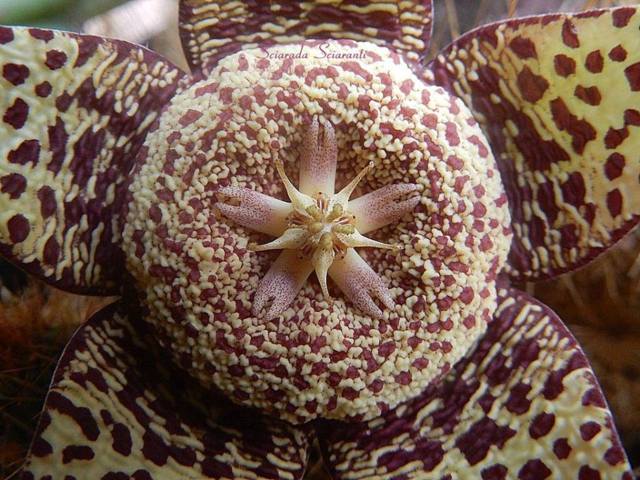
(319, 229)
(503, 159)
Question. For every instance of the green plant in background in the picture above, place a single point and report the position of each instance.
(62, 14)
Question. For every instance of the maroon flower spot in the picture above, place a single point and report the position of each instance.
(115, 476)
(155, 213)
(614, 166)
(226, 94)
(615, 137)
(354, 67)
(614, 456)
(41, 448)
(469, 321)
(581, 131)
(534, 470)
(455, 162)
(574, 189)
(63, 102)
(561, 448)
(518, 402)
(622, 16)
(589, 430)
(589, 95)
(43, 89)
(570, 35)
(76, 452)
(87, 47)
(541, 425)
(479, 210)
(531, 85)
(466, 296)
(189, 117)
(48, 204)
(13, 185)
(6, 35)
(406, 86)
(51, 251)
(564, 65)
(523, 47)
(476, 442)
(486, 243)
(386, 349)
(614, 202)
(594, 62)
(430, 120)
(618, 54)
(451, 134)
(376, 386)
(588, 473)
(207, 89)
(632, 117)
(632, 73)
(154, 448)
(593, 397)
(420, 363)
(15, 73)
(495, 472)
(28, 151)
(350, 393)
(403, 378)
(16, 115)
(18, 228)
(55, 59)
(39, 34)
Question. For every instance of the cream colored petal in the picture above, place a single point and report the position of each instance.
(299, 200)
(292, 238)
(361, 284)
(281, 284)
(318, 157)
(254, 210)
(356, 240)
(322, 260)
(342, 197)
(383, 206)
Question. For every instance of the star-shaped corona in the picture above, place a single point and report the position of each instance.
(319, 229)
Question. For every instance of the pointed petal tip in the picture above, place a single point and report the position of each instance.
(343, 195)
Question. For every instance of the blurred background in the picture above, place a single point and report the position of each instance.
(600, 302)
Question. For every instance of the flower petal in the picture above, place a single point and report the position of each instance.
(118, 409)
(318, 158)
(563, 121)
(361, 284)
(254, 210)
(212, 29)
(75, 111)
(281, 284)
(383, 206)
(524, 404)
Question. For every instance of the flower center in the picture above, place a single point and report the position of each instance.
(319, 229)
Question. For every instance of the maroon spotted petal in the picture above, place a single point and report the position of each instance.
(559, 97)
(525, 404)
(117, 409)
(75, 109)
(212, 29)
